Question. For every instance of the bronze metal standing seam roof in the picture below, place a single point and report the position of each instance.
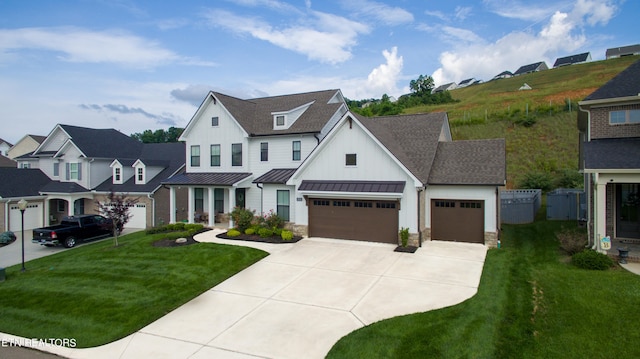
(212, 179)
(279, 176)
(353, 186)
(256, 115)
(476, 162)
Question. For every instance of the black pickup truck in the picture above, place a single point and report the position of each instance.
(73, 229)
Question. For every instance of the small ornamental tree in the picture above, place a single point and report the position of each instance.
(116, 208)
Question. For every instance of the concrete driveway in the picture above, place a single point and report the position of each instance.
(301, 299)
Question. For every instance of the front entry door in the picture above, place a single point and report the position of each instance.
(628, 210)
(240, 197)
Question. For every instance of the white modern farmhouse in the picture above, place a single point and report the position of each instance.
(331, 173)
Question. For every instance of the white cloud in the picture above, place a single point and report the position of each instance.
(462, 12)
(86, 46)
(381, 12)
(381, 80)
(438, 14)
(529, 11)
(323, 37)
(560, 35)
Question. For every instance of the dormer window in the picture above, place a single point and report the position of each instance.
(283, 120)
(117, 173)
(140, 175)
(280, 121)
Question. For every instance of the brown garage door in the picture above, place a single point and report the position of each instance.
(457, 220)
(373, 221)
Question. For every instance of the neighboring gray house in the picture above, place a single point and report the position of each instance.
(81, 166)
(535, 67)
(609, 124)
(4, 147)
(573, 59)
(616, 52)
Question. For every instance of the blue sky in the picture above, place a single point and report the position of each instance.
(135, 65)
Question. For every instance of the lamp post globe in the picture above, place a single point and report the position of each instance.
(22, 205)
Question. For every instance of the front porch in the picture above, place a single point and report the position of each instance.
(632, 245)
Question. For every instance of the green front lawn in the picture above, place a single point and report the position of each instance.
(531, 303)
(98, 293)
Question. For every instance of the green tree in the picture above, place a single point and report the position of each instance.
(159, 136)
(422, 85)
(116, 208)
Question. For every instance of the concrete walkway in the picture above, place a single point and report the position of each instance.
(301, 299)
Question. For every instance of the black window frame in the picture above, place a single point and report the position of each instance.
(236, 154)
(264, 151)
(215, 157)
(351, 159)
(195, 158)
(296, 153)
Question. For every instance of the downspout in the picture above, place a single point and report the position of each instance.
(261, 198)
(315, 135)
(420, 215)
(590, 207)
(153, 209)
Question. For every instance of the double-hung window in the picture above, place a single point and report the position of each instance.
(283, 204)
(215, 155)
(236, 154)
(195, 156)
(74, 171)
(264, 151)
(296, 147)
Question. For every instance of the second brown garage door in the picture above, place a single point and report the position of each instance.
(373, 221)
(457, 220)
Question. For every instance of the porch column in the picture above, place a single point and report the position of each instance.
(600, 215)
(71, 206)
(191, 204)
(47, 211)
(212, 214)
(232, 204)
(172, 204)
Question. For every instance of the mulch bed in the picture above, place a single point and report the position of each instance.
(167, 242)
(407, 249)
(257, 238)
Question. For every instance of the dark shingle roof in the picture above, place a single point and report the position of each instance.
(612, 153)
(18, 182)
(623, 50)
(531, 68)
(170, 156)
(256, 118)
(219, 179)
(412, 139)
(625, 84)
(353, 186)
(573, 59)
(62, 187)
(276, 176)
(102, 143)
(478, 162)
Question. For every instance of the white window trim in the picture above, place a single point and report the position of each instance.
(144, 175)
(115, 179)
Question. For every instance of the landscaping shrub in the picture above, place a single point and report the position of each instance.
(265, 232)
(404, 236)
(272, 220)
(572, 241)
(590, 259)
(193, 227)
(537, 180)
(286, 235)
(277, 231)
(233, 233)
(249, 231)
(242, 218)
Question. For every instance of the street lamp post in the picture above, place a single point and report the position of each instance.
(22, 205)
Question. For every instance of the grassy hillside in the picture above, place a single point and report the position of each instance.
(539, 125)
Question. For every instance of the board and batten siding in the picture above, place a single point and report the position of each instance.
(280, 152)
(225, 134)
(373, 164)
